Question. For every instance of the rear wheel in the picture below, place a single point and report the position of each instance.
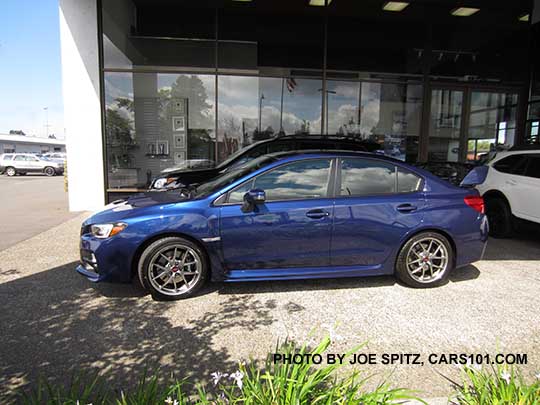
(173, 268)
(499, 218)
(425, 260)
(49, 171)
(10, 171)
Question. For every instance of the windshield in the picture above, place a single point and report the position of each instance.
(231, 176)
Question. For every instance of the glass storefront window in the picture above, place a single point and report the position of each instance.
(492, 122)
(156, 122)
(388, 114)
(289, 105)
(445, 125)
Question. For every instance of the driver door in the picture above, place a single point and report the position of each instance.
(291, 228)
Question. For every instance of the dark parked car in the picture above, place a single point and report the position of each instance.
(290, 216)
(184, 178)
(453, 172)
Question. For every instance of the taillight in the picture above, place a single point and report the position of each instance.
(475, 202)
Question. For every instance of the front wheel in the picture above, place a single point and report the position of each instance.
(173, 268)
(425, 260)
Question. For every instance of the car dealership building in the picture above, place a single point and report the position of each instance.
(149, 84)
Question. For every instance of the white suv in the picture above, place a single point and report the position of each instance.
(22, 163)
(511, 188)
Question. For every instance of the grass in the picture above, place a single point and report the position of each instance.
(270, 384)
(494, 386)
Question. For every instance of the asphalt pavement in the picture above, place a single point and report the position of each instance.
(56, 323)
(29, 205)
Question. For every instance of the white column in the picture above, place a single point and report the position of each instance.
(82, 111)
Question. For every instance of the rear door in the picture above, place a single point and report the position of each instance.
(377, 204)
(511, 181)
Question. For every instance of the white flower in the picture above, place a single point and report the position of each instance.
(537, 376)
(505, 375)
(237, 377)
(334, 337)
(169, 401)
(217, 376)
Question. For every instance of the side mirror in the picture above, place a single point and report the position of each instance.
(253, 198)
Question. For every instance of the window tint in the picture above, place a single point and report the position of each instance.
(20, 158)
(365, 176)
(7, 157)
(298, 180)
(283, 146)
(533, 167)
(514, 164)
(237, 195)
(407, 182)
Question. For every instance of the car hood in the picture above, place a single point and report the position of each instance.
(132, 206)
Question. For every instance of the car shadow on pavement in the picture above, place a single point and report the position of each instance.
(57, 324)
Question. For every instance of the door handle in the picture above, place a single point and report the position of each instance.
(406, 208)
(317, 214)
(511, 182)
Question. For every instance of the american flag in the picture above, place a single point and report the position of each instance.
(291, 84)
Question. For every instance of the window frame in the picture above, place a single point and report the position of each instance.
(338, 177)
(330, 189)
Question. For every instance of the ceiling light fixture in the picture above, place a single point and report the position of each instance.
(524, 18)
(319, 3)
(464, 11)
(395, 5)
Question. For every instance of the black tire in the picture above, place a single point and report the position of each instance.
(49, 171)
(10, 171)
(145, 267)
(499, 218)
(402, 271)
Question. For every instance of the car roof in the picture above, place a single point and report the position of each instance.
(332, 153)
(314, 137)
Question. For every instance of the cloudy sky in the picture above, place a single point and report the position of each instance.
(30, 69)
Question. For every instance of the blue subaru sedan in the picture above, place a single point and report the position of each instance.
(289, 216)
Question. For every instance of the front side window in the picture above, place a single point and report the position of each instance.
(300, 180)
(365, 177)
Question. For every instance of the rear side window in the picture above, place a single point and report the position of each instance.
(533, 167)
(408, 182)
(19, 158)
(365, 177)
(369, 177)
(7, 157)
(514, 164)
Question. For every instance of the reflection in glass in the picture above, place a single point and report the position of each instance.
(445, 125)
(289, 105)
(299, 180)
(492, 122)
(156, 122)
(386, 113)
(365, 177)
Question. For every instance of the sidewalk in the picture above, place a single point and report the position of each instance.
(54, 322)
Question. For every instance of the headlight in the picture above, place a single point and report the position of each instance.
(160, 183)
(103, 231)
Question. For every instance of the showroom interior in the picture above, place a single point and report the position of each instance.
(194, 81)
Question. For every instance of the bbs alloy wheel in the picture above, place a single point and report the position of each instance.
(173, 268)
(425, 260)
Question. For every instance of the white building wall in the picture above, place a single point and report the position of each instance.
(82, 112)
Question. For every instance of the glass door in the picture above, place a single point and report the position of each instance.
(466, 124)
(492, 123)
(445, 125)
